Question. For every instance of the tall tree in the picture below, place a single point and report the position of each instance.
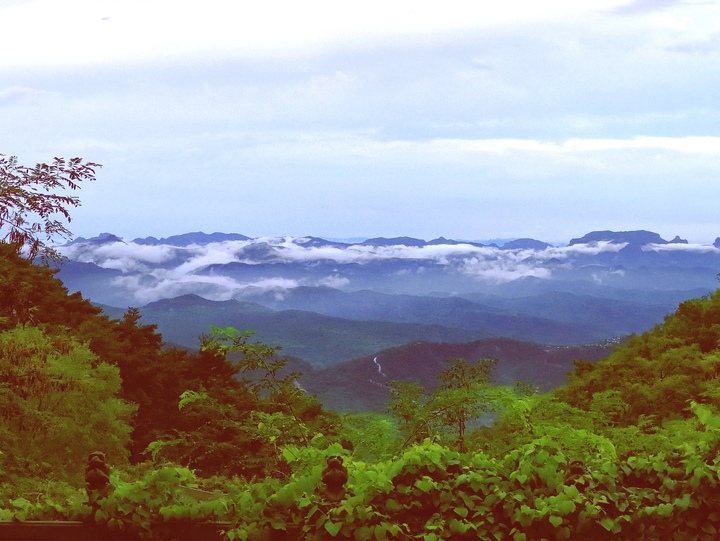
(58, 403)
(464, 394)
(30, 294)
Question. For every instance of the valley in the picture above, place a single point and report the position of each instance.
(339, 310)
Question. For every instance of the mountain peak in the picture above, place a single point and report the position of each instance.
(396, 241)
(187, 239)
(525, 244)
(639, 237)
(182, 301)
(102, 238)
(318, 242)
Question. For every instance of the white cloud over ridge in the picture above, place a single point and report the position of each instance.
(154, 272)
(691, 247)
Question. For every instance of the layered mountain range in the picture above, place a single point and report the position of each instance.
(328, 302)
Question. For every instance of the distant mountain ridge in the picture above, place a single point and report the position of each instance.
(191, 238)
(325, 340)
(102, 238)
(406, 265)
(327, 302)
(641, 238)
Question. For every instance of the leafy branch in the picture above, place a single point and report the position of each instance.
(31, 214)
(257, 356)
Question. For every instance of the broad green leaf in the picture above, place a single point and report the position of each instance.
(607, 523)
(333, 527)
(364, 533)
(461, 511)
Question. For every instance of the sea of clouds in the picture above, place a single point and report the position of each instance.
(154, 272)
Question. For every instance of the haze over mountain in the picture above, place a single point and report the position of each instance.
(230, 266)
(339, 308)
(602, 285)
(325, 340)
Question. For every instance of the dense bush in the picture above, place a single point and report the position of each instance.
(430, 492)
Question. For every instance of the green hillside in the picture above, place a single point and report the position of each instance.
(627, 449)
(325, 341)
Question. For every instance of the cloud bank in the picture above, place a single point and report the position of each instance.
(243, 269)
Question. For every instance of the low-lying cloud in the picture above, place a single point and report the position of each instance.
(249, 268)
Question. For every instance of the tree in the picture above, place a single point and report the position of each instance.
(30, 294)
(58, 403)
(655, 374)
(241, 429)
(280, 392)
(408, 403)
(30, 213)
(465, 394)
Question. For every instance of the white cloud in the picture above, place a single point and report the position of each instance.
(690, 247)
(127, 257)
(502, 270)
(334, 281)
(216, 253)
(152, 273)
(591, 248)
(688, 144)
(156, 272)
(359, 145)
(146, 289)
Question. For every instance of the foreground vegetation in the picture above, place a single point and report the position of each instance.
(627, 449)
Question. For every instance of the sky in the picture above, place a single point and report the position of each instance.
(470, 120)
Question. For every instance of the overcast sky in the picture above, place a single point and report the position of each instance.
(473, 120)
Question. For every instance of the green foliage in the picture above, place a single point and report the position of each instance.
(241, 431)
(29, 294)
(652, 377)
(408, 403)
(57, 403)
(464, 395)
(617, 453)
(431, 492)
(153, 504)
(28, 207)
(371, 437)
(158, 503)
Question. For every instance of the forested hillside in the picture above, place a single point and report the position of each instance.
(627, 448)
(100, 422)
